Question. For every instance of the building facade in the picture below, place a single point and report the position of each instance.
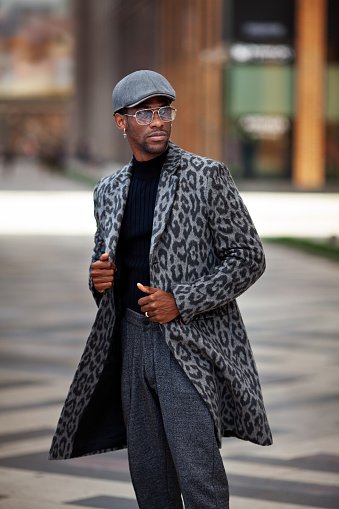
(257, 82)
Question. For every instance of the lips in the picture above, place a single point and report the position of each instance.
(158, 136)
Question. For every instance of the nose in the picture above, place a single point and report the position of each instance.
(156, 119)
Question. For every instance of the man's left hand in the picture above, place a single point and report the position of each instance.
(159, 305)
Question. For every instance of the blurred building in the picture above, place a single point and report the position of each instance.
(257, 81)
(36, 78)
(116, 37)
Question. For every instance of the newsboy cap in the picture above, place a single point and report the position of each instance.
(139, 86)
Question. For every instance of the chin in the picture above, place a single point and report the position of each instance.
(158, 148)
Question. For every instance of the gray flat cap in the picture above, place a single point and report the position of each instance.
(139, 86)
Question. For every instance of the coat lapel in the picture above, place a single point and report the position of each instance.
(117, 194)
(114, 208)
(165, 195)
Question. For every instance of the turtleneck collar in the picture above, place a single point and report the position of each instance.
(148, 170)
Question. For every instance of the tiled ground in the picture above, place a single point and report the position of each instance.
(46, 313)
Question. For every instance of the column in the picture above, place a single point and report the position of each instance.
(309, 130)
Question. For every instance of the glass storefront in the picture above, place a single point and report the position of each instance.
(259, 85)
(259, 109)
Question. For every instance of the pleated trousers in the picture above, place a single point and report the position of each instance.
(172, 448)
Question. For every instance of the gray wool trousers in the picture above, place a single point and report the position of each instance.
(172, 448)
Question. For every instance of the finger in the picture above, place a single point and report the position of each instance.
(102, 285)
(102, 280)
(101, 272)
(146, 289)
(144, 301)
(104, 259)
(151, 314)
(101, 288)
(98, 265)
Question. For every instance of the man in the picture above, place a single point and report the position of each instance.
(167, 370)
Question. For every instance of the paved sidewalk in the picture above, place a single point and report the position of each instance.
(46, 313)
(66, 207)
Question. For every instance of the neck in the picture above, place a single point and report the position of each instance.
(149, 169)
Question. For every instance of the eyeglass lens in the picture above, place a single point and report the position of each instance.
(166, 114)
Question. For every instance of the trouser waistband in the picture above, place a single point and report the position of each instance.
(137, 318)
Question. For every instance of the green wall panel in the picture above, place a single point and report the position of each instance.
(268, 89)
(332, 99)
(265, 89)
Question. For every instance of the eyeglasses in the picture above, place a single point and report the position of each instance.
(145, 117)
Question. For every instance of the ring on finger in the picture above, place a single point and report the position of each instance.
(146, 314)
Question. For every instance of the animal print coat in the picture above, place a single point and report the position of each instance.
(206, 251)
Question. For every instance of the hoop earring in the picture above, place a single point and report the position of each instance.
(124, 133)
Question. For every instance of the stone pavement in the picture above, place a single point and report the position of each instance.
(46, 313)
(68, 206)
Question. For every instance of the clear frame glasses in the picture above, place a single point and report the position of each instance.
(145, 117)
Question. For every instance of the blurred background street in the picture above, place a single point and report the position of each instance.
(258, 88)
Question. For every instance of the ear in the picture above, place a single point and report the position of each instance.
(120, 121)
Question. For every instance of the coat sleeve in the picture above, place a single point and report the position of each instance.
(236, 246)
(99, 243)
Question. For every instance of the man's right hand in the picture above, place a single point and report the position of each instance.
(102, 273)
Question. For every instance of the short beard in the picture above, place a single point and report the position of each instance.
(153, 150)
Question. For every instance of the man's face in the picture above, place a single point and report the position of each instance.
(146, 141)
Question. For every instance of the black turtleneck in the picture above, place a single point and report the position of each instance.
(133, 249)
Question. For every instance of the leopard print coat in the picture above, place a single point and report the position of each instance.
(204, 250)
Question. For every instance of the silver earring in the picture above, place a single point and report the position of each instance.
(125, 134)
